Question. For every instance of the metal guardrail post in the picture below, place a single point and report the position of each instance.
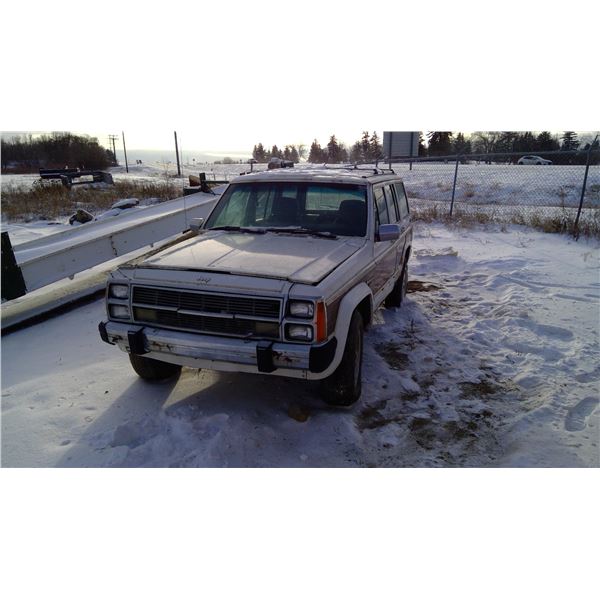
(454, 185)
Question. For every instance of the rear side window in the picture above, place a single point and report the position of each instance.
(402, 201)
(381, 206)
(390, 197)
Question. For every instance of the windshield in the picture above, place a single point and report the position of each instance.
(340, 209)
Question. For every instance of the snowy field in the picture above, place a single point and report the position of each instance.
(477, 184)
(155, 171)
(492, 361)
(503, 185)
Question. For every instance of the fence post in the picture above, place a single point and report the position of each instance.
(585, 176)
(454, 185)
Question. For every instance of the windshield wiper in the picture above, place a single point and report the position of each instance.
(240, 229)
(303, 230)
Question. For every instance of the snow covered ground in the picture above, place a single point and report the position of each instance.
(479, 184)
(492, 361)
(503, 185)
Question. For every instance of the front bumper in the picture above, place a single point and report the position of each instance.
(221, 353)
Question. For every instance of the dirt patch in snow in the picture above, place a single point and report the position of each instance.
(421, 286)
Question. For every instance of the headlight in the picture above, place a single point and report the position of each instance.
(118, 311)
(301, 310)
(303, 333)
(119, 291)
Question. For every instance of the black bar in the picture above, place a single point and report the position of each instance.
(177, 153)
(264, 356)
(320, 357)
(585, 176)
(137, 342)
(13, 284)
(125, 152)
(454, 185)
(56, 173)
(103, 333)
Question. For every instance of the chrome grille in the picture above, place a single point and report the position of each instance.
(239, 316)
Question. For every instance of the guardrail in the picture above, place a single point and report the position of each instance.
(41, 262)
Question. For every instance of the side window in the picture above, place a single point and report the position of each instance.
(391, 204)
(381, 206)
(402, 202)
(263, 201)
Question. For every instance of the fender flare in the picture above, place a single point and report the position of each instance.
(347, 306)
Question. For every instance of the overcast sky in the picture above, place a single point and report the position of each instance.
(229, 75)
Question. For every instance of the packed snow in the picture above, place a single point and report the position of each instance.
(493, 360)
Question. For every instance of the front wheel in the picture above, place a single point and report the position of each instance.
(343, 387)
(152, 369)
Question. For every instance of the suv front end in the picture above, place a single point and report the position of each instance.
(226, 331)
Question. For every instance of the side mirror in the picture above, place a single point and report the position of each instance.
(389, 232)
(196, 225)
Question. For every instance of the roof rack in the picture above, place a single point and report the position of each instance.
(377, 170)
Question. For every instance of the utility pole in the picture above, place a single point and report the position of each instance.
(111, 140)
(125, 151)
(177, 153)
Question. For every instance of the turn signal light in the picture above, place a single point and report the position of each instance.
(321, 324)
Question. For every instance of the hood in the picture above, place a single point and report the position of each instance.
(297, 258)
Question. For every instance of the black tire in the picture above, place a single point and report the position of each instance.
(152, 369)
(344, 386)
(396, 296)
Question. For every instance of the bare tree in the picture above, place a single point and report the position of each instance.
(485, 141)
(301, 149)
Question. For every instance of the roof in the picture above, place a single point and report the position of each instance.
(323, 174)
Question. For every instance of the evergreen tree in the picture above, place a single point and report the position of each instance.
(461, 145)
(507, 141)
(294, 156)
(375, 147)
(422, 148)
(315, 154)
(525, 142)
(355, 153)
(544, 142)
(333, 150)
(440, 143)
(569, 141)
(343, 153)
(365, 147)
(287, 153)
(259, 153)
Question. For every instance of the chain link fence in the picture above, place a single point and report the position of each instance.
(497, 187)
(561, 196)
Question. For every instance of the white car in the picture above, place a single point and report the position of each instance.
(533, 160)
